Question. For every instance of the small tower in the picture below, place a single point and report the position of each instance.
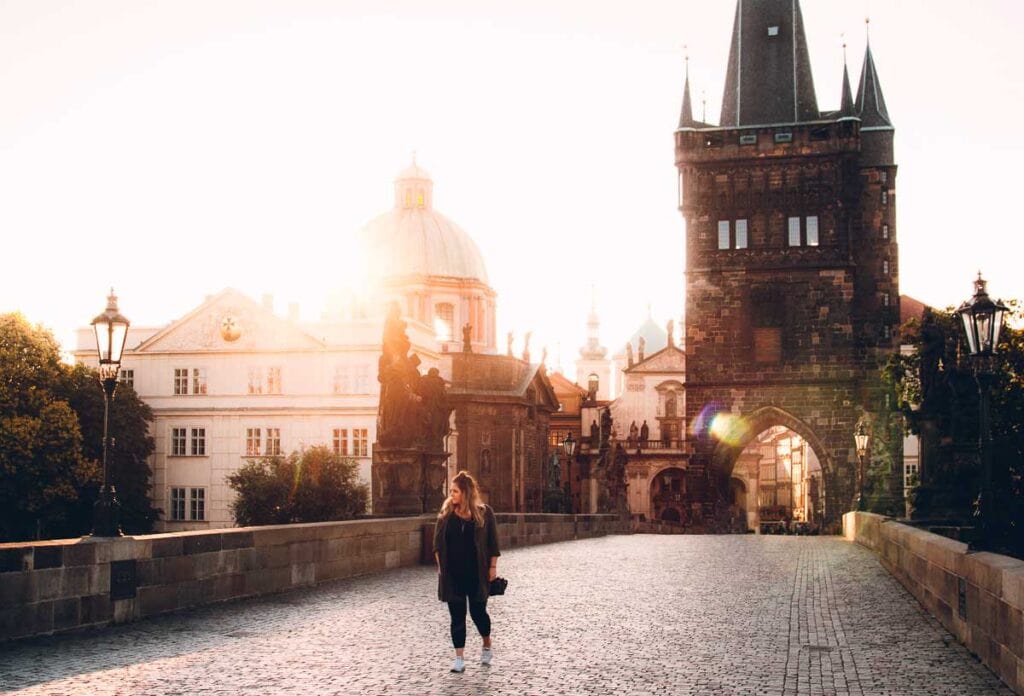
(593, 358)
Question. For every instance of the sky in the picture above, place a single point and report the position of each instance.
(172, 149)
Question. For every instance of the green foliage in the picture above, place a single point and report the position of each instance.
(130, 446)
(315, 485)
(51, 425)
(938, 394)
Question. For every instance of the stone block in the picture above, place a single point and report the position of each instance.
(82, 553)
(392, 559)
(228, 586)
(303, 574)
(268, 580)
(201, 543)
(26, 620)
(119, 549)
(205, 565)
(1013, 587)
(17, 588)
(47, 556)
(125, 610)
(15, 560)
(302, 552)
(152, 600)
(986, 570)
(1009, 628)
(95, 609)
(193, 593)
(177, 569)
(150, 572)
(48, 583)
(75, 581)
(99, 579)
(167, 545)
(66, 613)
(237, 540)
(277, 535)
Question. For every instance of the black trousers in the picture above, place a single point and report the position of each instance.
(478, 610)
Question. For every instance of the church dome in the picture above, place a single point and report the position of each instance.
(413, 239)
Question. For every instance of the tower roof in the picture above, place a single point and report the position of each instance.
(870, 102)
(768, 79)
(686, 114)
(847, 107)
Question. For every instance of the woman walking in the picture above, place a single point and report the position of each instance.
(466, 551)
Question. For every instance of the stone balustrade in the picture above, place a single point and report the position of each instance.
(49, 587)
(977, 596)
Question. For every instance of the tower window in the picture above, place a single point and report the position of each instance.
(785, 137)
(885, 299)
(723, 234)
(885, 231)
(885, 198)
(773, 30)
(748, 139)
(419, 198)
(884, 177)
(444, 320)
(812, 230)
(794, 231)
(741, 234)
(885, 266)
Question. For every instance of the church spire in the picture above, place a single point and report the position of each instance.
(768, 80)
(870, 102)
(686, 115)
(847, 108)
(593, 350)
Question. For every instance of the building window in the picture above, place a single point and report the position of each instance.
(339, 437)
(794, 231)
(884, 177)
(252, 442)
(273, 380)
(127, 378)
(885, 266)
(177, 504)
(180, 381)
(444, 320)
(812, 230)
(886, 333)
(773, 30)
(361, 379)
(342, 383)
(178, 438)
(255, 380)
(723, 234)
(741, 234)
(273, 442)
(785, 137)
(197, 504)
(885, 299)
(198, 442)
(910, 470)
(360, 442)
(885, 198)
(199, 380)
(885, 231)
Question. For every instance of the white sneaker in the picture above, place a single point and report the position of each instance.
(459, 666)
(485, 657)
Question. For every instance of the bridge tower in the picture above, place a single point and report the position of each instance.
(792, 285)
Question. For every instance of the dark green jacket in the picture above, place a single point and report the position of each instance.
(486, 549)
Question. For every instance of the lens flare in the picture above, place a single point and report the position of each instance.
(728, 428)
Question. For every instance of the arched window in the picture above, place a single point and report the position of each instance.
(419, 198)
(444, 320)
(670, 405)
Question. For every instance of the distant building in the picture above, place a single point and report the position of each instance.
(232, 380)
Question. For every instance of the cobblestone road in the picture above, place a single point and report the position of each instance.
(615, 615)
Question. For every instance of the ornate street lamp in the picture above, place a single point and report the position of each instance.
(111, 329)
(861, 439)
(569, 447)
(983, 321)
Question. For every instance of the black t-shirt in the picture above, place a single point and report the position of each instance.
(460, 538)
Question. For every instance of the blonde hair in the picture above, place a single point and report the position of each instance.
(470, 497)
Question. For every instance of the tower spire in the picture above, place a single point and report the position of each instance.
(870, 101)
(847, 108)
(768, 80)
(686, 115)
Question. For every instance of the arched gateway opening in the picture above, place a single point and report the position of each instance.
(772, 468)
(669, 501)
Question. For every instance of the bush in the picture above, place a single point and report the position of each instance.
(315, 485)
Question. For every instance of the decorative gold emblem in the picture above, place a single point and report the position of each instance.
(229, 328)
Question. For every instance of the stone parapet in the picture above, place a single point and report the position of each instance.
(49, 587)
(977, 596)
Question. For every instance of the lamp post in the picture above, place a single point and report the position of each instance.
(569, 447)
(861, 438)
(983, 320)
(111, 331)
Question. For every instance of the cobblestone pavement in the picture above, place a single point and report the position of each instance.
(614, 615)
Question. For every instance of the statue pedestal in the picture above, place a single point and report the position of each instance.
(407, 480)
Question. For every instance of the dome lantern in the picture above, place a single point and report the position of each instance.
(414, 189)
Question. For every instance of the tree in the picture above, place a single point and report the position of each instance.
(42, 470)
(130, 447)
(315, 485)
(938, 395)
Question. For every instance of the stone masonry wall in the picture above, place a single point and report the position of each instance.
(978, 596)
(51, 587)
